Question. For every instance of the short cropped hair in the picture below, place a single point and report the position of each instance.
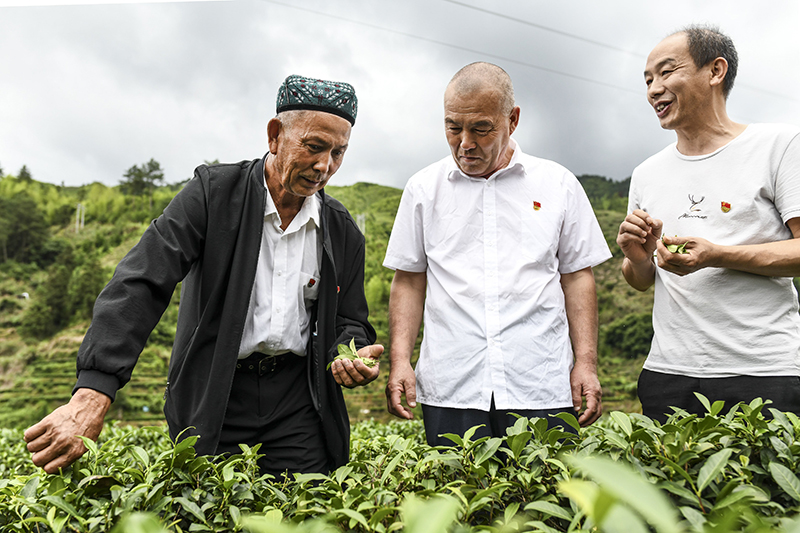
(707, 43)
(479, 74)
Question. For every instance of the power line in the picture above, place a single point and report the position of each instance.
(457, 47)
(596, 43)
(545, 28)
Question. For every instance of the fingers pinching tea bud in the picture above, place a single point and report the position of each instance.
(676, 248)
(350, 352)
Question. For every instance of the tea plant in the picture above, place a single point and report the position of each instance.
(720, 472)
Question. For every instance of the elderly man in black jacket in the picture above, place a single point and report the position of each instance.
(273, 280)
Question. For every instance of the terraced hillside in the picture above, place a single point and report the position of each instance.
(38, 375)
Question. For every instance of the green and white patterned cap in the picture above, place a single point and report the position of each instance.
(298, 92)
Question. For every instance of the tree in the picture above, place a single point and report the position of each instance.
(141, 180)
(24, 229)
(86, 283)
(50, 310)
(24, 174)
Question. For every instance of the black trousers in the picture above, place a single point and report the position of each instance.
(439, 420)
(658, 392)
(273, 407)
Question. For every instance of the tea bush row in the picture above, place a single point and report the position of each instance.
(717, 473)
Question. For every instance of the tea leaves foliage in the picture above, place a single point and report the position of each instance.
(735, 471)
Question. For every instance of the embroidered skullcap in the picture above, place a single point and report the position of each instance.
(298, 92)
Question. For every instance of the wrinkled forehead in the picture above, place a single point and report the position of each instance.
(480, 103)
(321, 125)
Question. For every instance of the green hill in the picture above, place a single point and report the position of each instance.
(62, 267)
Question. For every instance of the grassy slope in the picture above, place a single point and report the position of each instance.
(36, 377)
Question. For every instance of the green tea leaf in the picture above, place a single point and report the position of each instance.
(488, 450)
(623, 422)
(437, 514)
(29, 490)
(549, 509)
(712, 467)
(630, 487)
(344, 351)
(786, 479)
(570, 419)
(704, 401)
(191, 508)
(353, 515)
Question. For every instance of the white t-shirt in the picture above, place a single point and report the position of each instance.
(718, 322)
(493, 250)
(286, 283)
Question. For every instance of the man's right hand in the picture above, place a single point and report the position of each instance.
(638, 236)
(54, 441)
(402, 381)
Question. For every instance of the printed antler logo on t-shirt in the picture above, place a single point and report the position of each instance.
(694, 209)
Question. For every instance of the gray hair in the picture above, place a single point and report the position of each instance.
(478, 75)
(707, 43)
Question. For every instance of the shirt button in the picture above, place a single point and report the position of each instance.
(279, 273)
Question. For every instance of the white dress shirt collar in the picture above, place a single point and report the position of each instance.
(513, 164)
(308, 212)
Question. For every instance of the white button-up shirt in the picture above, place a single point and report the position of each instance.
(286, 283)
(494, 250)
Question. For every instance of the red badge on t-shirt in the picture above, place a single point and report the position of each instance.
(726, 207)
(536, 205)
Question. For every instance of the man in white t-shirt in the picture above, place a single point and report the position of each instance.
(498, 247)
(726, 312)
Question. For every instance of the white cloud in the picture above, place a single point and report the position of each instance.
(91, 90)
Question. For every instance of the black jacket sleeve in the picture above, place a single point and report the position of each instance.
(130, 306)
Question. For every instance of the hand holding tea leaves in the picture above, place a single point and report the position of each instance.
(350, 352)
(356, 367)
(676, 248)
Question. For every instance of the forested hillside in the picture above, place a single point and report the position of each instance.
(59, 246)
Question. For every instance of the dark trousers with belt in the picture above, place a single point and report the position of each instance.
(270, 404)
(659, 392)
(439, 420)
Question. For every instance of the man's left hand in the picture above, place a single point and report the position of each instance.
(700, 253)
(585, 384)
(353, 373)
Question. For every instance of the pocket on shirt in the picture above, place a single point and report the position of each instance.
(310, 286)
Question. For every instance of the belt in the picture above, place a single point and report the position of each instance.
(261, 364)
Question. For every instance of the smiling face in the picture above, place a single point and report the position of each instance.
(679, 91)
(477, 130)
(308, 148)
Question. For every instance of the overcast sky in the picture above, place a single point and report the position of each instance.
(87, 91)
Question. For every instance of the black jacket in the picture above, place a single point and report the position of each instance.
(209, 236)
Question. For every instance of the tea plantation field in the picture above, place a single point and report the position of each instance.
(717, 473)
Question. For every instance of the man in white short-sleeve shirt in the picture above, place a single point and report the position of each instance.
(726, 312)
(498, 247)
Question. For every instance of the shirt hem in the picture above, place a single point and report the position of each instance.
(730, 373)
(485, 407)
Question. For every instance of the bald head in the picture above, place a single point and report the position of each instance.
(483, 77)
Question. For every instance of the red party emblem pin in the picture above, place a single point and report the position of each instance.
(536, 205)
(726, 207)
(311, 282)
